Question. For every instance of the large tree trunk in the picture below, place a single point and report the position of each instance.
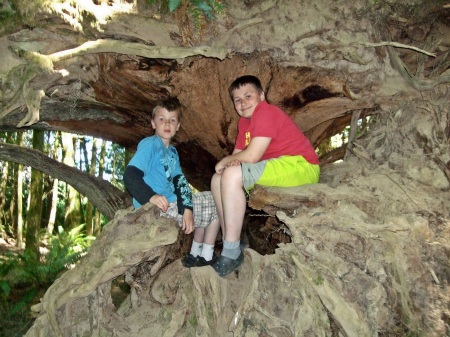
(368, 257)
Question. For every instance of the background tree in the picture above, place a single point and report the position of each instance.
(89, 207)
(3, 195)
(73, 214)
(55, 152)
(34, 213)
(101, 168)
(17, 210)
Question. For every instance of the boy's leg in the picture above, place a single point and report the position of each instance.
(215, 189)
(197, 242)
(207, 227)
(210, 232)
(199, 234)
(234, 202)
(231, 204)
(208, 236)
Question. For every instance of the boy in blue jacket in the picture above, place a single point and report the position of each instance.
(154, 175)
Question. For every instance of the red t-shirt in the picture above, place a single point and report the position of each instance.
(272, 122)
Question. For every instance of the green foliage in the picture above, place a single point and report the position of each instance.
(197, 13)
(209, 8)
(23, 278)
(174, 4)
(23, 271)
(66, 249)
(8, 16)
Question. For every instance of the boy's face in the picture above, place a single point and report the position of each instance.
(245, 100)
(166, 124)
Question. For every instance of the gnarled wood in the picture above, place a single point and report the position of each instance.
(107, 198)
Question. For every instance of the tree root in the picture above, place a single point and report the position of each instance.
(397, 63)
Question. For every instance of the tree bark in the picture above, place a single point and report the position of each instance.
(55, 189)
(34, 214)
(3, 181)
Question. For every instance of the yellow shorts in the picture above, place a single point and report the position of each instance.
(285, 171)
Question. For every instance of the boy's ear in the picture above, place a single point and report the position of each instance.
(178, 126)
(153, 124)
(262, 96)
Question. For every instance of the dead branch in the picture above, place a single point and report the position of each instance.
(397, 45)
(139, 49)
(418, 84)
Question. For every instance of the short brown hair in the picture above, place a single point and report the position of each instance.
(243, 80)
(171, 104)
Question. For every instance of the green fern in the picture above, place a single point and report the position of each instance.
(209, 8)
(31, 276)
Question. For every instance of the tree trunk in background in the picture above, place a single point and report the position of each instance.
(73, 215)
(34, 214)
(89, 206)
(7, 183)
(19, 197)
(128, 155)
(84, 157)
(54, 201)
(101, 168)
(4, 177)
(47, 183)
(53, 208)
(114, 167)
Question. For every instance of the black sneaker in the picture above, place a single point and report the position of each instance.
(201, 262)
(189, 261)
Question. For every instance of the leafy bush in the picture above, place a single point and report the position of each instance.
(31, 277)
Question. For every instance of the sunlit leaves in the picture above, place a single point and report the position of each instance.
(174, 4)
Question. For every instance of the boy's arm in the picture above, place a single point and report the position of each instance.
(136, 186)
(183, 192)
(251, 154)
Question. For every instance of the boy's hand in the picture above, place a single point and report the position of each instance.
(233, 163)
(188, 221)
(224, 163)
(160, 201)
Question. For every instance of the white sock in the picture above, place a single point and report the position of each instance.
(207, 252)
(196, 248)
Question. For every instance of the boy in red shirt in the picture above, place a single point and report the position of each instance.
(270, 150)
